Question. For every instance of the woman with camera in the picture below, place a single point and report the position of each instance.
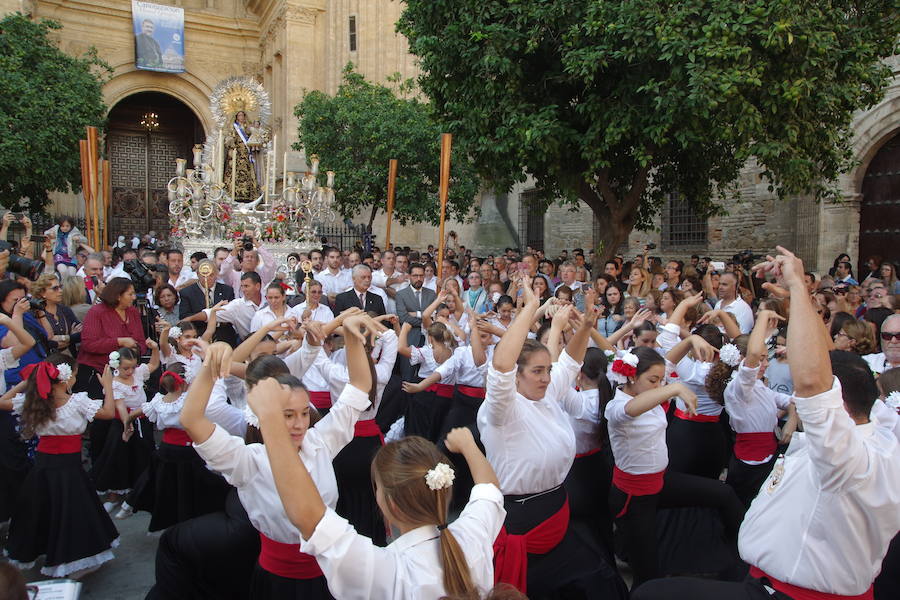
(35, 323)
(47, 291)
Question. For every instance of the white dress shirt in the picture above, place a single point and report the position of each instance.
(219, 411)
(638, 443)
(741, 311)
(826, 514)
(692, 373)
(334, 283)
(424, 357)
(379, 280)
(184, 276)
(530, 443)
(410, 567)
(886, 417)
(322, 313)
(462, 370)
(583, 408)
(70, 419)
(239, 312)
(247, 467)
(752, 407)
(266, 315)
(877, 362)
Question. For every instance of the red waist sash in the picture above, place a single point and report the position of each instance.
(646, 484)
(665, 406)
(441, 389)
(799, 593)
(511, 551)
(755, 446)
(367, 428)
(320, 399)
(59, 444)
(286, 560)
(698, 417)
(589, 453)
(176, 437)
(472, 392)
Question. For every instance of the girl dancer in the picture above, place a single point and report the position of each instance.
(124, 456)
(428, 407)
(752, 407)
(282, 571)
(431, 558)
(182, 336)
(58, 513)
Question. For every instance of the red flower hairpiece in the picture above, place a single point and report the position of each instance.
(178, 378)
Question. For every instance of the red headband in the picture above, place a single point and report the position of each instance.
(178, 378)
(45, 373)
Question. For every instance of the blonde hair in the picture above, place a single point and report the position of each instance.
(40, 285)
(73, 290)
(439, 332)
(399, 468)
(861, 333)
(641, 290)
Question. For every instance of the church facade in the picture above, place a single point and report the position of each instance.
(292, 46)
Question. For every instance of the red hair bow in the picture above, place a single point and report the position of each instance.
(46, 373)
(284, 286)
(178, 378)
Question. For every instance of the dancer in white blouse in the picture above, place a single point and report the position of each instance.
(432, 558)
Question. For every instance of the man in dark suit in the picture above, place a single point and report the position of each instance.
(194, 299)
(412, 300)
(149, 54)
(360, 295)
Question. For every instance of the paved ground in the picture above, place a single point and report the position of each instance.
(130, 575)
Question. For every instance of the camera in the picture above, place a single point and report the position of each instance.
(651, 246)
(37, 305)
(247, 242)
(746, 258)
(24, 267)
(141, 277)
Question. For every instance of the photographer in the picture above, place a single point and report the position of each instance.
(13, 302)
(92, 271)
(245, 257)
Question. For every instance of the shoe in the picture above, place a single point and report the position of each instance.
(110, 506)
(125, 512)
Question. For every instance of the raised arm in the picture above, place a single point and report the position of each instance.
(478, 353)
(108, 410)
(25, 341)
(461, 441)
(429, 310)
(650, 399)
(509, 346)
(193, 415)
(402, 342)
(242, 352)
(703, 350)
(756, 345)
(577, 346)
(153, 364)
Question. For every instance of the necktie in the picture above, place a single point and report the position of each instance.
(419, 299)
(362, 301)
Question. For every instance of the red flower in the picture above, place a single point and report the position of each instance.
(623, 368)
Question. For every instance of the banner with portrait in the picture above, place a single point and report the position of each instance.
(158, 37)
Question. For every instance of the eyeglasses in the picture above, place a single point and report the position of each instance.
(887, 336)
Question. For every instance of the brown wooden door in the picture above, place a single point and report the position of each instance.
(879, 220)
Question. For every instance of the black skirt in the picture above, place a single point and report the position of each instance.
(425, 414)
(266, 585)
(176, 487)
(747, 479)
(573, 569)
(463, 413)
(120, 463)
(587, 486)
(14, 463)
(696, 448)
(356, 494)
(58, 514)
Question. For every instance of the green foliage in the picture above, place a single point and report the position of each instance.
(48, 99)
(597, 98)
(357, 132)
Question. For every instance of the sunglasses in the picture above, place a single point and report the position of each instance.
(887, 336)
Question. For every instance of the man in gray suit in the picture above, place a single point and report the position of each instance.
(412, 300)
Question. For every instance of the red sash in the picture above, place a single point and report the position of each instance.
(511, 551)
(441, 389)
(637, 485)
(320, 399)
(472, 392)
(588, 453)
(665, 406)
(368, 428)
(286, 560)
(698, 417)
(176, 437)
(59, 444)
(755, 446)
(799, 593)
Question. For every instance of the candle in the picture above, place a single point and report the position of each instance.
(330, 175)
(266, 190)
(179, 166)
(220, 158)
(284, 170)
(233, 170)
(198, 155)
(314, 162)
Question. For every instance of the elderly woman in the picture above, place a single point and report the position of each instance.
(66, 326)
(166, 297)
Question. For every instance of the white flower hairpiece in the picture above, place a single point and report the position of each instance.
(730, 355)
(893, 400)
(114, 359)
(622, 368)
(251, 417)
(440, 477)
(610, 355)
(175, 332)
(65, 372)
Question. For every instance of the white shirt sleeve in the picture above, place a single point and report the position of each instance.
(221, 413)
(299, 361)
(743, 382)
(335, 430)
(228, 455)
(562, 375)
(669, 337)
(385, 365)
(500, 400)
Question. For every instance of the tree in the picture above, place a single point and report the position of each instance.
(48, 99)
(356, 133)
(621, 103)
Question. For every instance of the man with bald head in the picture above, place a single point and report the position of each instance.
(889, 357)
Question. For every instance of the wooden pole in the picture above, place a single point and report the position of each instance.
(446, 143)
(392, 186)
(93, 166)
(85, 187)
(107, 198)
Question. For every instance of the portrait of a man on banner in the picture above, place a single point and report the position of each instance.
(158, 37)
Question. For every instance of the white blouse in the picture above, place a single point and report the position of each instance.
(692, 373)
(71, 418)
(164, 414)
(583, 408)
(462, 370)
(752, 407)
(247, 466)
(191, 364)
(424, 357)
(132, 395)
(638, 443)
(7, 361)
(530, 443)
(410, 567)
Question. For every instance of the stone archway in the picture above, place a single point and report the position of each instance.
(142, 158)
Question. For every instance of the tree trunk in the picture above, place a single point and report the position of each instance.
(372, 216)
(612, 235)
(616, 213)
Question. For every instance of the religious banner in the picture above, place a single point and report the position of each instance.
(158, 37)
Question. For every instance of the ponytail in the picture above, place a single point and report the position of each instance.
(720, 373)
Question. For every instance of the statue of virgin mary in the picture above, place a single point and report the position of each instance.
(246, 156)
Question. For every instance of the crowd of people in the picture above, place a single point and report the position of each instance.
(380, 425)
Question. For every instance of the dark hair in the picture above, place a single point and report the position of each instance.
(252, 276)
(276, 285)
(37, 411)
(129, 354)
(720, 373)
(594, 368)
(711, 335)
(889, 381)
(198, 256)
(167, 383)
(175, 251)
(644, 327)
(504, 299)
(838, 320)
(647, 358)
(264, 366)
(6, 288)
(166, 286)
(857, 382)
(114, 289)
(416, 265)
(529, 347)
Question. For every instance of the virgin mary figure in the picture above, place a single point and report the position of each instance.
(246, 186)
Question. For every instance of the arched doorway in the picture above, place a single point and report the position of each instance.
(879, 219)
(142, 159)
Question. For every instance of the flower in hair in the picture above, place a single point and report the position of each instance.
(175, 332)
(610, 355)
(440, 477)
(114, 359)
(251, 417)
(624, 367)
(65, 372)
(730, 355)
(893, 400)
